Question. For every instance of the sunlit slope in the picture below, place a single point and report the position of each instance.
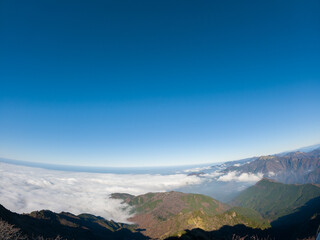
(170, 213)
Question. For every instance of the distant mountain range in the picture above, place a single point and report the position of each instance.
(293, 167)
(302, 149)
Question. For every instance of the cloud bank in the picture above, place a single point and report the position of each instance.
(243, 177)
(197, 169)
(26, 189)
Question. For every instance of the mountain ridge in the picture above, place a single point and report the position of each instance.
(171, 213)
(293, 167)
(274, 200)
(45, 224)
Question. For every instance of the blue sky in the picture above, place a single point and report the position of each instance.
(145, 83)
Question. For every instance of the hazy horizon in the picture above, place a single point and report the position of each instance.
(102, 168)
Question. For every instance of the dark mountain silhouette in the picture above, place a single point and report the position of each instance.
(308, 211)
(304, 231)
(293, 167)
(47, 224)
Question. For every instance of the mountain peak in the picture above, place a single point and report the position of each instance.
(294, 167)
(267, 157)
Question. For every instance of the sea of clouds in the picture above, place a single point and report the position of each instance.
(25, 189)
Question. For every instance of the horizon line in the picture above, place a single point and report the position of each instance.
(71, 167)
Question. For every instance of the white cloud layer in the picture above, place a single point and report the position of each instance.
(213, 174)
(243, 177)
(26, 189)
(271, 174)
(197, 169)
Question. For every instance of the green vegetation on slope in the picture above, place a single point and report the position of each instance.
(171, 213)
(196, 202)
(273, 200)
(254, 219)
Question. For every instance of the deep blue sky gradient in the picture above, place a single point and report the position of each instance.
(136, 83)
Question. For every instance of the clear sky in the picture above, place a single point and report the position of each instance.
(144, 83)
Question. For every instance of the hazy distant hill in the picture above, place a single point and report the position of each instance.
(293, 167)
(301, 149)
(274, 200)
(171, 213)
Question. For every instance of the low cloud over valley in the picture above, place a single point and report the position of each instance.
(26, 189)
